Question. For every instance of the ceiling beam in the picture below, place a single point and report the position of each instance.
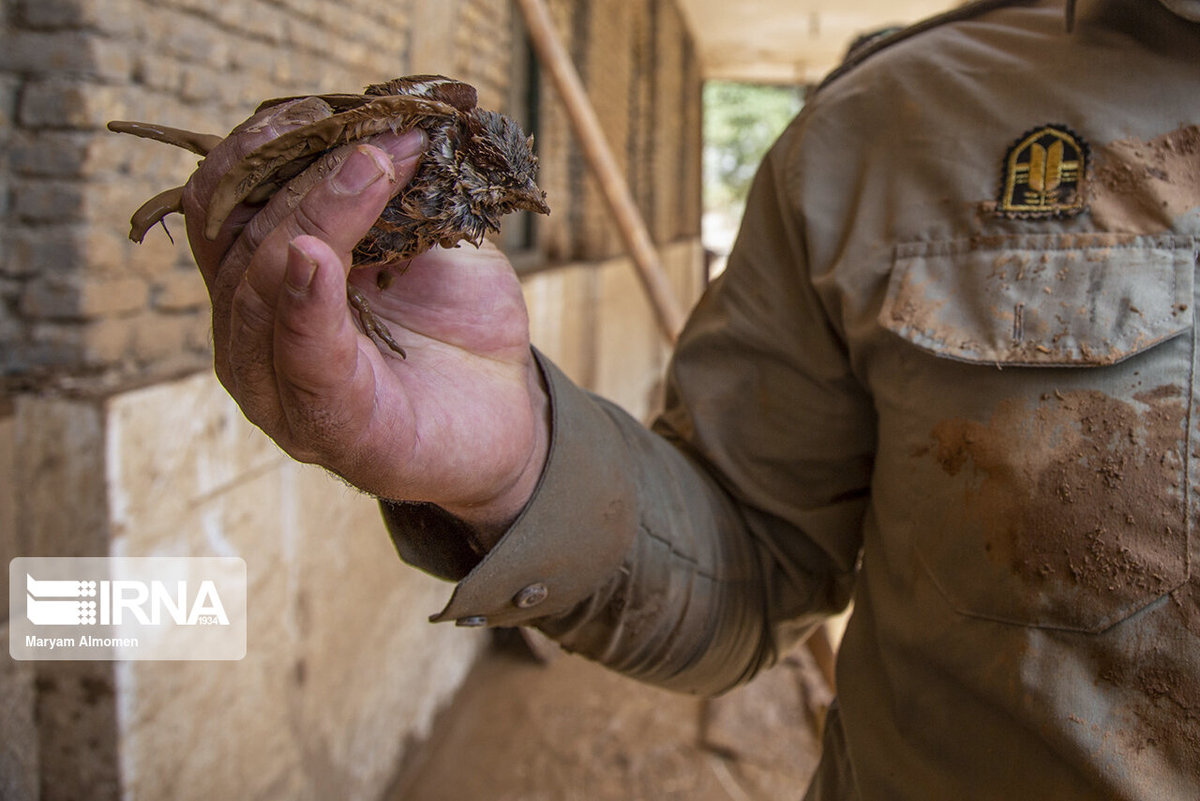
(789, 41)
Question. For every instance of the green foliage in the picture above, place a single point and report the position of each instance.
(741, 121)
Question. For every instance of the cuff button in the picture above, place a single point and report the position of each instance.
(531, 596)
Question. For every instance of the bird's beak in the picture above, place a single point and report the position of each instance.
(532, 199)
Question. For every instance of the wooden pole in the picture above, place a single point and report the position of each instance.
(586, 125)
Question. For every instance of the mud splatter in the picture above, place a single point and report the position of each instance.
(1160, 687)
(1142, 187)
(1077, 501)
(1185, 603)
(1080, 499)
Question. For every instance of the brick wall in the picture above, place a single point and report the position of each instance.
(78, 299)
(643, 76)
(75, 295)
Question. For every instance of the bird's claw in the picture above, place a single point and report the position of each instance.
(372, 325)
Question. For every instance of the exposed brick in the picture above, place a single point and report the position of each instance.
(41, 249)
(254, 56)
(54, 344)
(51, 13)
(109, 204)
(191, 38)
(156, 254)
(65, 53)
(158, 336)
(105, 248)
(157, 71)
(59, 104)
(9, 89)
(111, 16)
(49, 154)
(113, 158)
(111, 59)
(12, 334)
(58, 51)
(201, 84)
(48, 201)
(199, 7)
(265, 23)
(314, 37)
(179, 289)
(74, 295)
(10, 289)
(105, 341)
(47, 297)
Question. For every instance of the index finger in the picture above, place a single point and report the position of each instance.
(247, 137)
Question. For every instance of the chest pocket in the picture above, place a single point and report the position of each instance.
(1047, 484)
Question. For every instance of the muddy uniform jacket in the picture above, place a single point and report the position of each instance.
(951, 374)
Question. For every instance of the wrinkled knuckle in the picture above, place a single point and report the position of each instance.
(293, 329)
(255, 231)
(305, 221)
(250, 309)
(223, 286)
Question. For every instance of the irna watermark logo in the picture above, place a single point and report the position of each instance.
(127, 608)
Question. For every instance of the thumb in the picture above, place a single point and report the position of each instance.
(326, 387)
(296, 338)
(315, 343)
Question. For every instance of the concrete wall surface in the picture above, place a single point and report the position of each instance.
(18, 732)
(342, 670)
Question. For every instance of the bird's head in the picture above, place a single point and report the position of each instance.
(502, 155)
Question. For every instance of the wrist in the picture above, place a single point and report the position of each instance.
(492, 518)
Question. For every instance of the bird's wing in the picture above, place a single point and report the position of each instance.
(338, 102)
(462, 96)
(435, 87)
(272, 164)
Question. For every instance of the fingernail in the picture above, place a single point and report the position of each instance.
(300, 268)
(405, 146)
(361, 168)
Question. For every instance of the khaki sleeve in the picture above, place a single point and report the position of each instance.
(691, 555)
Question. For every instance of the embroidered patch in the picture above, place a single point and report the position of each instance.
(1044, 175)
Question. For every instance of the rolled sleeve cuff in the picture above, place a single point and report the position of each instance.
(565, 545)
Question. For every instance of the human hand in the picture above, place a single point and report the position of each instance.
(461, 423)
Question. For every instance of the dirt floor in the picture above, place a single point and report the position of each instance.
(566, 730)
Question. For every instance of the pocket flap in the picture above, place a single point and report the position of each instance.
(1041, 301)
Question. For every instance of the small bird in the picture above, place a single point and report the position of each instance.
(478, 167)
